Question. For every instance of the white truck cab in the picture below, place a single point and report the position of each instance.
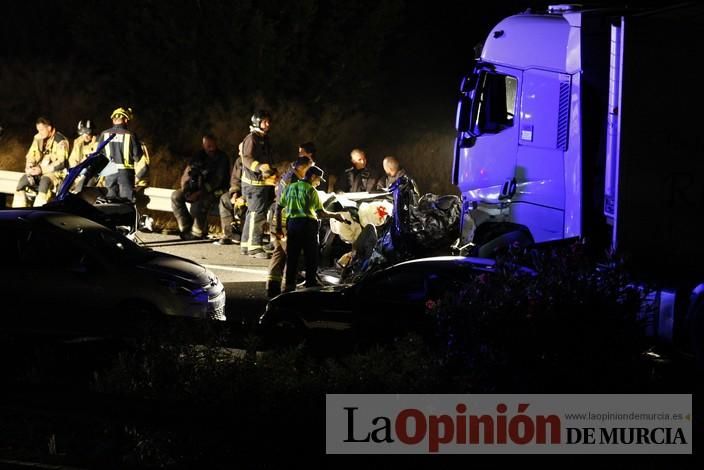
(585, 124)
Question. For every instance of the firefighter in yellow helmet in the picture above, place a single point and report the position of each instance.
(45, 164)
(124, 150)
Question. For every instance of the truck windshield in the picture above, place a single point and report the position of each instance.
(495, 102)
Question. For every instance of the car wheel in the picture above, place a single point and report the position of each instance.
(695, 326)
(140, 318)
(287, 333)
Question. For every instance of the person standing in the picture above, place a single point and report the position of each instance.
(303, 210)
(44, 165)
(257, 186)
(359, 177)
(278, 257)
(394, 171)
(122, 151)
(203, 181)
(307, 149)
(141, 169)
(141, 182)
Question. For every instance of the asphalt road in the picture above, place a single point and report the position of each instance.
(244, 277)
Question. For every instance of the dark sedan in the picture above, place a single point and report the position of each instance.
(388, 302)
(61, 270)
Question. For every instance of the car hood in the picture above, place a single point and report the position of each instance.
(177, 267)
(321, 297)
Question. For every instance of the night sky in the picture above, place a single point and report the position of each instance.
(380, 75)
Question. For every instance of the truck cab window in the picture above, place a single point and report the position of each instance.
(495, 103)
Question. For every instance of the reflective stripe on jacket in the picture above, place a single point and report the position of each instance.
(256, 151)
(124, 149)
(301, 200)
(50, 153)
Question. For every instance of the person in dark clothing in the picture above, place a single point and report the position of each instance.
(359, 178)
(278, 257)
(258, 180)
(232, 204)
(307, 149)
(394, 171)
(203, 181)
(303, 210)
(123, 151)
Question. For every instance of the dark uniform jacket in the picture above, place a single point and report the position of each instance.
(360, 180)
(124, 149)
(386, 182)
(256, 151)
(206, 173)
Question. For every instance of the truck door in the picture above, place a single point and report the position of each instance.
(485, 150)
(539, 202)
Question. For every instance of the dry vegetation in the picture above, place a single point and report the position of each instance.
(340, 74)
(426, 154)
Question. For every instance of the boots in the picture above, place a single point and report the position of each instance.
(20, 199)
(41, 199)
(273, 289)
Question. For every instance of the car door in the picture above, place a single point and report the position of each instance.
(57, 277)
(394, 300)
(13, 297)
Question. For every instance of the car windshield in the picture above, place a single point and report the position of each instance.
(86, 233)
(113, 244)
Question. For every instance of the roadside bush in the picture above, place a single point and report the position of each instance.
(169, 404)
(570, 328)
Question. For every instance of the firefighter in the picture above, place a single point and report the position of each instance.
(124, 150)
(141, 181)
(45, 164)
(257, 183)
(84, 145)
(141, 169)
(278, 257)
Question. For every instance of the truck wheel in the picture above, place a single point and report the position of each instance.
(139, 319)
(696, 331)
(287, 333)
(503, 242)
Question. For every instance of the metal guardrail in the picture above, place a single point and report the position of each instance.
(8, 181)
(159, 198)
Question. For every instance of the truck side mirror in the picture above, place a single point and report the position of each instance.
(462, 119)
